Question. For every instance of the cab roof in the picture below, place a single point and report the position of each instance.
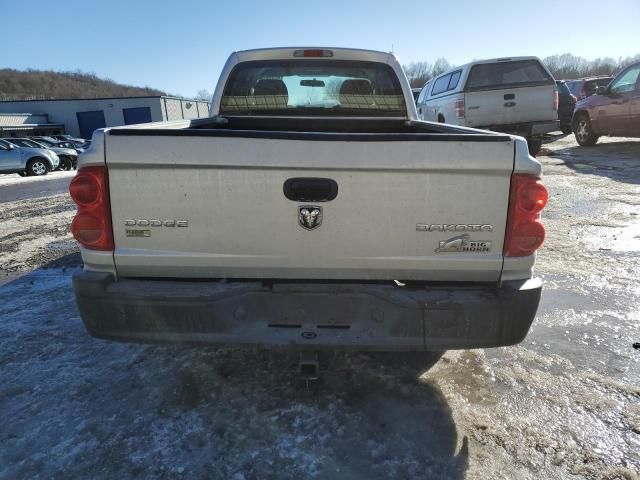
(284, 53)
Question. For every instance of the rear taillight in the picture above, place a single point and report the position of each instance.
(525, 233)
(91, 226)
(556, 100)
(459, 106)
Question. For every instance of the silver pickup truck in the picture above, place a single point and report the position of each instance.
(312, 209)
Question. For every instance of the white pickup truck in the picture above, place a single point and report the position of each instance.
(312, 209)
(512, 95)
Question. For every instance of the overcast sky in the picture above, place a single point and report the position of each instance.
(181, 46)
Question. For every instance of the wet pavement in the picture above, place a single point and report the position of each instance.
(563, 404)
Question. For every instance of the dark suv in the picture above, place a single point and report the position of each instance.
(614, 110)
(587, 86)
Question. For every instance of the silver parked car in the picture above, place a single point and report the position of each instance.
(69, 138)
(68, 156)
(52, 143)
(77, 146)
(26, 161)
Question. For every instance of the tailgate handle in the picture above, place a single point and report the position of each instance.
(302, 189)
(509, 96)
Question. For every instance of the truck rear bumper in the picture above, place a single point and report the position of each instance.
(526, 130)
(310, 315)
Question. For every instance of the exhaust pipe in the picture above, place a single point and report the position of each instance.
(309, 366)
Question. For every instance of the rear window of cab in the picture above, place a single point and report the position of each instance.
(518, 73)
(313, 87)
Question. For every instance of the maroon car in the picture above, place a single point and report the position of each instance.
(614, 110)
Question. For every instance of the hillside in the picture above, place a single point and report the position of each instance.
(42, 84)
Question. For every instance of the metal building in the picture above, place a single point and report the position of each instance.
(80, 117)
(26, 124)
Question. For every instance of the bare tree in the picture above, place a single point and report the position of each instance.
(203, 94)
(624, 62)
(568, 66)
(418, 73)
(441, 65)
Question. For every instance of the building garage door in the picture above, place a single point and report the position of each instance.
(136, 115)
(90, 121)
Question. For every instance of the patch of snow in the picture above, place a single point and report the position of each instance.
(14, 178)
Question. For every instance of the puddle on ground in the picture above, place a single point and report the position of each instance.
(591, 326)
(616, 230)
(608, 238)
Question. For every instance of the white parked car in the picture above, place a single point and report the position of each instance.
(511, 95)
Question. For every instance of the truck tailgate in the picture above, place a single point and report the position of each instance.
(408, 207)
(509, 105)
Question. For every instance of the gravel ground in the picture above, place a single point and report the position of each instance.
(563, 404)
(34, 233)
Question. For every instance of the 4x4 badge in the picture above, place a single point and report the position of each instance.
(309, 217)
(463, 243)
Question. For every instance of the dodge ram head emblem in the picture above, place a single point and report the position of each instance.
(309, 217)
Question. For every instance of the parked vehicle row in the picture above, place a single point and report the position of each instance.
(26, 160)
(510, 95)
(58, 152)
(68, 156)
(64, 141)
(518, 96)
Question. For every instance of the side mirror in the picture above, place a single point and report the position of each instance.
(12, 146)
(602, 90)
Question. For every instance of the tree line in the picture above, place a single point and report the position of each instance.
(44, 84)
(564, 66)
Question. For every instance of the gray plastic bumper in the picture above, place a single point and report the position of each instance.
(533, 129)
(312, 315)
(541, 128)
